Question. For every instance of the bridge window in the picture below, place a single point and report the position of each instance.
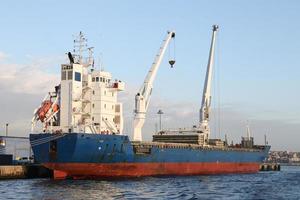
(70, 75)
(63, 75)
(77, 76)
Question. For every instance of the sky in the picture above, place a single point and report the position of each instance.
(256, 71)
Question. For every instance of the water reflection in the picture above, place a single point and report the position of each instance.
(267, 185)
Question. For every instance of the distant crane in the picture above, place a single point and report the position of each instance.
(206, 98)
(142, 98)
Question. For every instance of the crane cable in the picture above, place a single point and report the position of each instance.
(216, 93)
(172, 59)
(218, 85)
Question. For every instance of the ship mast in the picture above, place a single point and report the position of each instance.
(248, 131)
(206, 98)
(80, 44)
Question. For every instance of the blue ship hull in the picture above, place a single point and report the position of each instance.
(81, 155)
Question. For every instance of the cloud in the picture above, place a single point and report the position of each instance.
(17, 110)
(3, 56)
(32, 78)
(22, 87)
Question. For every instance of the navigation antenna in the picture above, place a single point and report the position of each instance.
(80, 44)
(101, 65)
(91, 58)
(248, 130)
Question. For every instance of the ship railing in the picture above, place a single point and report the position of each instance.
(179, 131)
(46, 139)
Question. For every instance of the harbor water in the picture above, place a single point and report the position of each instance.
(264, 185)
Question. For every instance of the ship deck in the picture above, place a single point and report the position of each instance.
(161, 145)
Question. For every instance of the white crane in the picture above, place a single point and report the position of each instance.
(206, 98)
(142, 98)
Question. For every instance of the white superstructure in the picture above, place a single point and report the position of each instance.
(85, 100)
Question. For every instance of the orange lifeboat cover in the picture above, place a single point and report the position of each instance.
(46, 105)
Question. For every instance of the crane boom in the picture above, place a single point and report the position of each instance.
(142, 98)
(206, 98)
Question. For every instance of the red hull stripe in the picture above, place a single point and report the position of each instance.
(93, 170)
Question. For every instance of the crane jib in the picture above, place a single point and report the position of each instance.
(143, 103)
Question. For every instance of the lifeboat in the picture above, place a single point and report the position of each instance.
(44, 109)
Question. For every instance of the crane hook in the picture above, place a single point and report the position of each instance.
(172, 62)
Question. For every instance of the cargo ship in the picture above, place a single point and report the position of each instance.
(80, 128)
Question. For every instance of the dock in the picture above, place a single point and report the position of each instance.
(269, 167)
(24, 171)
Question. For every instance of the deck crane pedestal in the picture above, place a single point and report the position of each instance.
(206, 98)
(142, 98)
